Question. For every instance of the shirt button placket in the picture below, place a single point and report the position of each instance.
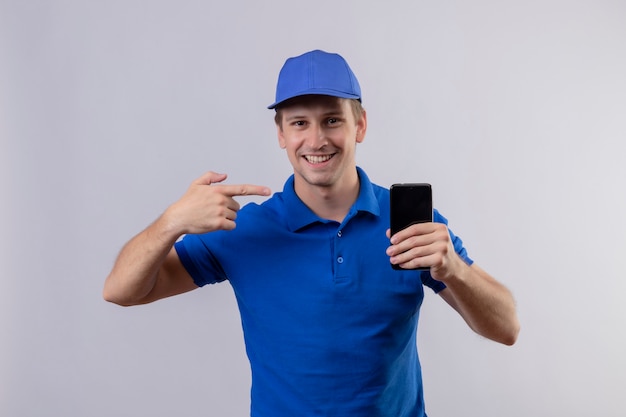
(341, 276)
(339, 258)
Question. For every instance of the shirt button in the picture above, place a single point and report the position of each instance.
(339, 233)
(340, 260)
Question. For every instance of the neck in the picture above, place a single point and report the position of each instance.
(329, 202)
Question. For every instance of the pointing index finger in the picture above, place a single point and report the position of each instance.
(245, 189)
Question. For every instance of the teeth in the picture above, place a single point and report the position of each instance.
(317, 159)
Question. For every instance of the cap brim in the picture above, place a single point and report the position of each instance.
(317, 91)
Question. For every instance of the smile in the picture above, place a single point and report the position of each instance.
(318, 159)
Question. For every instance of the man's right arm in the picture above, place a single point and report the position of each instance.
(148, 268)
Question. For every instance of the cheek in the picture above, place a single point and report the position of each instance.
(290, 142)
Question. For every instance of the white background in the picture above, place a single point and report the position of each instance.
(515, 112)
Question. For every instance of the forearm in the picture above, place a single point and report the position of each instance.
(136, 269)
(486, 305)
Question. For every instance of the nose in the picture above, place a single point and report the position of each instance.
(317, 137)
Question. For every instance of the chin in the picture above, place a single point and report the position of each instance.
(316, 180)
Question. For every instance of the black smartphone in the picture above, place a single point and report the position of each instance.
(410, 203)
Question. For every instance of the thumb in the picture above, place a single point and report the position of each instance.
(210, 178)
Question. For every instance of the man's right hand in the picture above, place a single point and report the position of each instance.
(208, 205)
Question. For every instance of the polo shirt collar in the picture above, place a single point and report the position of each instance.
(298, 215)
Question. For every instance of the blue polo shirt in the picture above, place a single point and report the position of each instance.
(329, 326)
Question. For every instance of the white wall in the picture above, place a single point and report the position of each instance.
(515, 111)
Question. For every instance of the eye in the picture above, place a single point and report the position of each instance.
(299, 123)
(332, 121)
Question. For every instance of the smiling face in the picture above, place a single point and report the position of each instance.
(319, 134)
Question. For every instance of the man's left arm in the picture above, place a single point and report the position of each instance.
(484, 303)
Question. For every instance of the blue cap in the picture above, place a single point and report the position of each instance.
(316, 72)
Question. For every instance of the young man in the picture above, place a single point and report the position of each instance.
(329, 326)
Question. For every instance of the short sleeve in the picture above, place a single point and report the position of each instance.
(199, 261)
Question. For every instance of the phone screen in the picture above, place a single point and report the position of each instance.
(410, 204)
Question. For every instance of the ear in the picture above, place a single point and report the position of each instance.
(281, 137)
(361, 127)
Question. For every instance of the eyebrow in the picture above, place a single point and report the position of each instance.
(332, 113)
